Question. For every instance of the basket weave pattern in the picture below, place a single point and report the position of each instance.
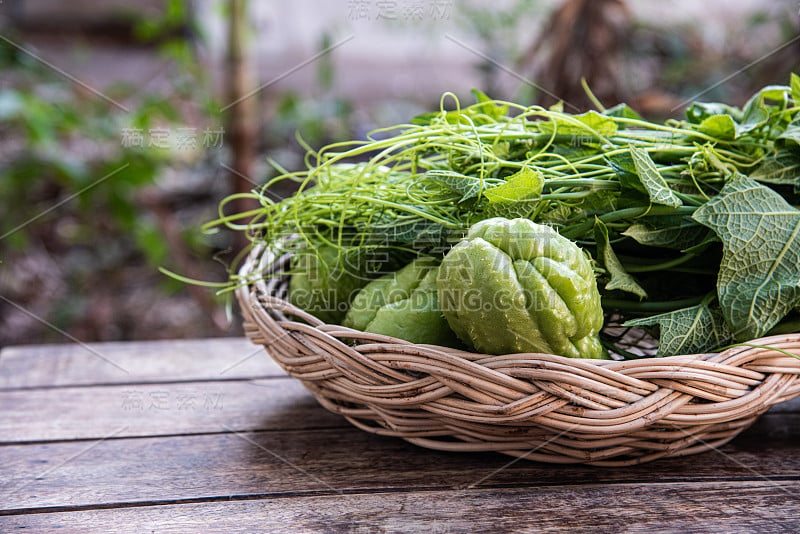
(538, 406)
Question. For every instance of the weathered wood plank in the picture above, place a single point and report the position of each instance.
(101, 472)
(148, 361)
(695, 507)
(158, 409)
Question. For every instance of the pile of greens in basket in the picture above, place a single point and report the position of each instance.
(691, 226)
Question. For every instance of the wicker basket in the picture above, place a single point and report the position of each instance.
(536, 406)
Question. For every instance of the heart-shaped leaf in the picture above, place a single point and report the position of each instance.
(759, 277)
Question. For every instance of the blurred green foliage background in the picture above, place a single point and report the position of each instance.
(93, 198)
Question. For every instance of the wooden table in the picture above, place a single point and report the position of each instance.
(211, 436)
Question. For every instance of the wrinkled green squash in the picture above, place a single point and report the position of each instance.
(323, 283)
(512, 285)
(404, 305)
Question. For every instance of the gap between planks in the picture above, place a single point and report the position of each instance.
(732, 507)
(774, 483)
(146, 383)
(344, 426)
(180, 468)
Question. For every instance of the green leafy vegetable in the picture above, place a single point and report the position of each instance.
(790, 138)
(622, 110)
(691, 330)
(619, 277)
(675, 226)
(676, 233)
(795, 87)
(697, 112)
(587, 124)
(651, 179)
(721, 126)
(467, 186)
(782, 168)
(759, 279)
(523, 185)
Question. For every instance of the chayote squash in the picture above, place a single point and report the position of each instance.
(512, 285)
(323, 282)
(403, 304)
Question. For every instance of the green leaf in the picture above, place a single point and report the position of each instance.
(522, 185)
(622, 110)
(776, 93)
(409, 230)
(476, 113)
(675, 233)
(657, 188)
(600, 201)
(756, 112)
(601, 124)
(588, 124)
(755, 118)
(699, 111)
(619, 277)
(690, 330)
(581, 149)
(480, 96)
(510, 210)
(426, 119)
(488, 106)
(790, 138)
(795, 85)
(622, 164)
(758, 281)
(501, 149)
(466, 186)
(782, 168)
(560, 214)
(719, 126)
